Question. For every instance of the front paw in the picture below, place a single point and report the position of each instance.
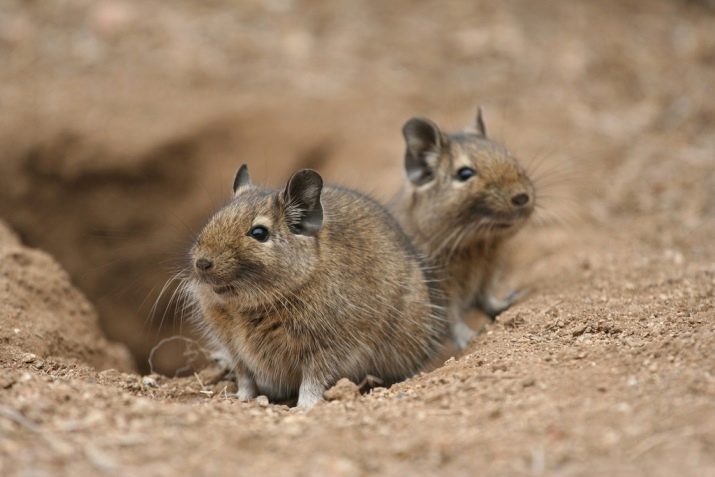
(310, 393)
(516, 295)
(306, 402)
(246, 394)
(492, 306)
(462, 334)
(247, 389)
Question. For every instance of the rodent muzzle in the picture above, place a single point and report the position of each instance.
(491, 217)
(520, 200)
(206, 271)
(203, 264)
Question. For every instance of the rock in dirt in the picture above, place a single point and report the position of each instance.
(42, 314)
(344, 390)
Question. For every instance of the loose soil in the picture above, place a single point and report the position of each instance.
(123, 122)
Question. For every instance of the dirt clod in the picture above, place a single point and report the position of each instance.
(44, 315)
(343, 390)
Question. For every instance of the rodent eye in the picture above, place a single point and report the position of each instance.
(259, 233)
(465, 173)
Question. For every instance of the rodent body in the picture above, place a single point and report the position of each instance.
(465, 195)
(334, 291)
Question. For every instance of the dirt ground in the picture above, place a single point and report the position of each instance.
(123, 121)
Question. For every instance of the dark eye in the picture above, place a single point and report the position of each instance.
(465, 173)
(259, 233)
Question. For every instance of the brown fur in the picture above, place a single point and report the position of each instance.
(302, 310)
(462, 225)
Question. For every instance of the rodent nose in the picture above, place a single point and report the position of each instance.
(203, 264)
(520, 200)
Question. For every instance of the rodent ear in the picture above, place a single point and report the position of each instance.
(424, 143)
(481, 128)
(301, 200)
(242, 178)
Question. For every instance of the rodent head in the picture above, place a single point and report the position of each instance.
(464, 181)
(263, 244)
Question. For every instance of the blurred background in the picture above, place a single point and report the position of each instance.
(122, 122)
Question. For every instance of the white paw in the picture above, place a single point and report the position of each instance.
(244, 394)
(306, 401)
(462, 334)
(310, 393)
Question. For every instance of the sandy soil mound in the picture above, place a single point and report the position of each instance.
(43, 315)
